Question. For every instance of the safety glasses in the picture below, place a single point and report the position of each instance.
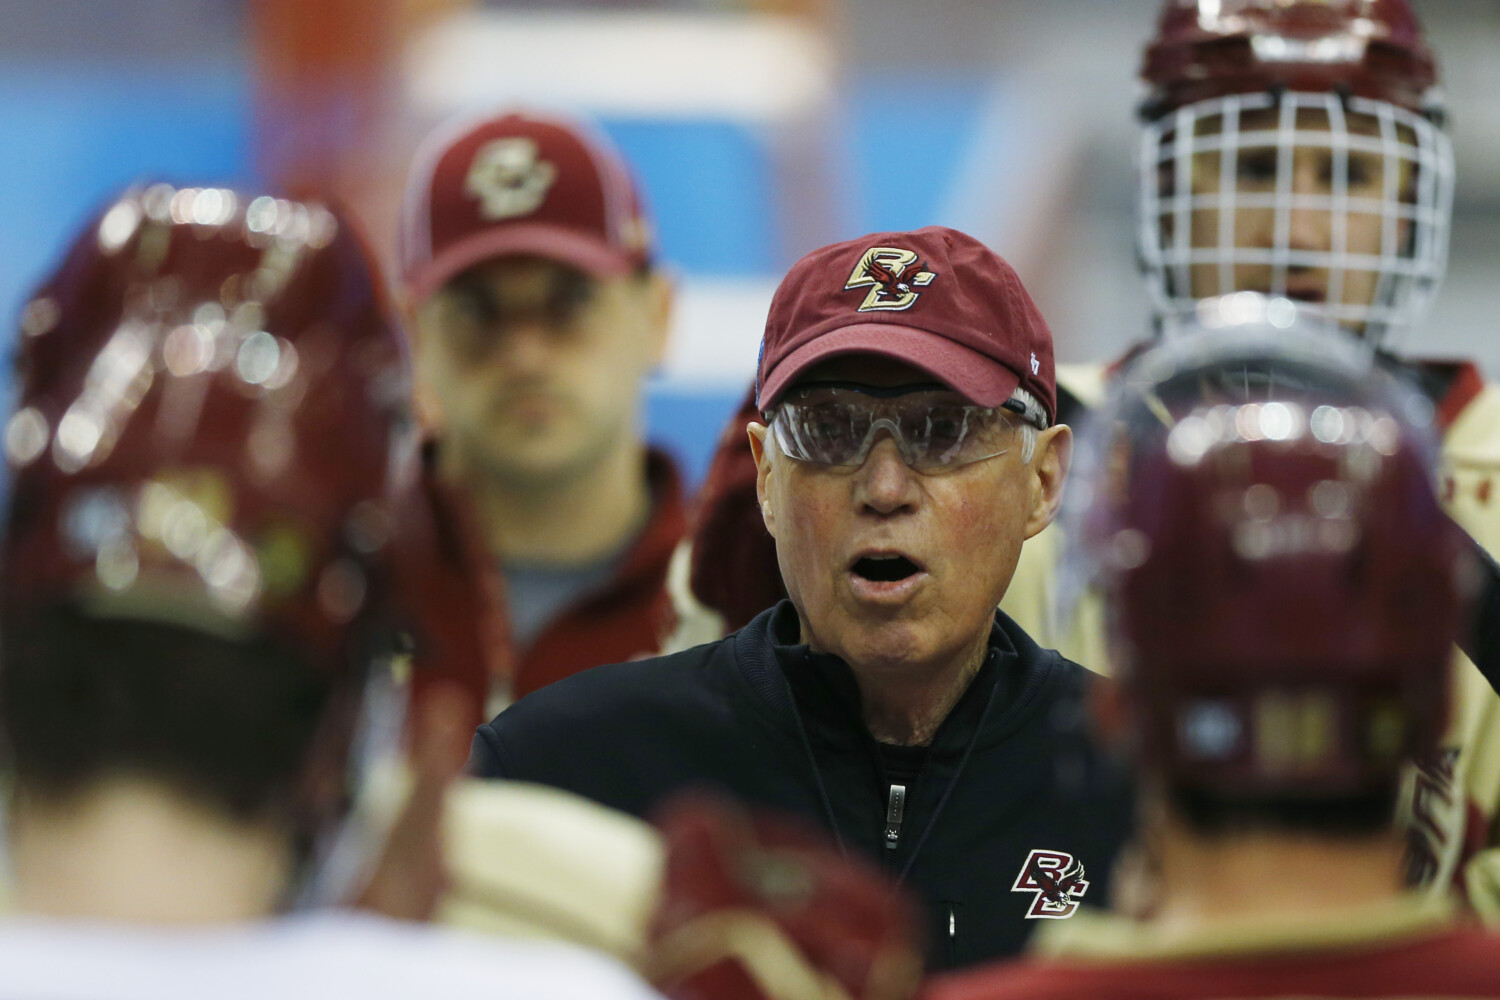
(837, 423)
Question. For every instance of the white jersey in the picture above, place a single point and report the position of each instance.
(317, 956)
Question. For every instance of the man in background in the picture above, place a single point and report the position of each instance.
(528, 266)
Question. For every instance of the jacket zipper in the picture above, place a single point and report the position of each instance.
(895, 811)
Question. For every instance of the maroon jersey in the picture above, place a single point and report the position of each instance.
(1408, 950)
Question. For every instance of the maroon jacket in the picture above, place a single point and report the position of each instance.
(629, 616)
(625, 619)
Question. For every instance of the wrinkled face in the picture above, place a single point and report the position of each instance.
(889, 566)
(532, 370)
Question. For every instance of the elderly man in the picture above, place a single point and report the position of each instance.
(908, 451)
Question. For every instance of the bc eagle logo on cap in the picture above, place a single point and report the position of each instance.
(892, 275)
(509, 178)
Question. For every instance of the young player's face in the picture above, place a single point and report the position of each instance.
(958, 529)
(1312, 221)
(534, 369)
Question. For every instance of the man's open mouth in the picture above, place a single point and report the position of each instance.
(884, 569)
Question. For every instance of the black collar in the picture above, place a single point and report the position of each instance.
(770, 657)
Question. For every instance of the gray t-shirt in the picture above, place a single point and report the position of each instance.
(536, 595)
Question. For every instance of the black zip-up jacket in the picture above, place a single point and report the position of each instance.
(1011, 770)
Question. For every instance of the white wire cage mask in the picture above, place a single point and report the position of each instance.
(1343, 203)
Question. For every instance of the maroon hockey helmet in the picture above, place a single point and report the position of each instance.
(211, 430)
(755, 907)
(1282, 588)
(1362, 48)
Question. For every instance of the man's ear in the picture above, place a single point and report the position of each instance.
(426, 400)
(661, 301)
(761, 451)
(1049, 472)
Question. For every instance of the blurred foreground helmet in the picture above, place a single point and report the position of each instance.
(1294, 148)
(1282, 588)
(755, 908)
(210, 400)
(211, 431)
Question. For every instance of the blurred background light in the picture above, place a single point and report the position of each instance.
(760, 130)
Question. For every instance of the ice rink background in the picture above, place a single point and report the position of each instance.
(1012, 120)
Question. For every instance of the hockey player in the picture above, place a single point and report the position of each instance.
(1296, 149)
(1283, 591)
(212, 485)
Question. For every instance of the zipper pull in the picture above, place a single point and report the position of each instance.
(895, 808)
(952, 922)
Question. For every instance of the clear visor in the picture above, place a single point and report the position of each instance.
(933, 428)
(1342, 205)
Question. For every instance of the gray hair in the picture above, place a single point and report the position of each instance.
(1034, 420)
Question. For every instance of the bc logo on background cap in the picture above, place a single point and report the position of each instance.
(515, 183)
(509, 178)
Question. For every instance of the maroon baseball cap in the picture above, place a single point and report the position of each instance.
(518, 183)
(935, 298)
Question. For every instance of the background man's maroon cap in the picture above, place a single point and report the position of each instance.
(935, 298)
(518, 183)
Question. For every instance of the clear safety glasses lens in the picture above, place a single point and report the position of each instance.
(932, 430)
(1342, 204)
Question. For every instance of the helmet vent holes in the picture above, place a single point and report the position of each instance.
(1329, 499)
(1295, 731)
(40, 316)
(1210, 729)
(92, 520)
(157, 202)
(1261, 502)
(258, 358)
(26, 436)
(261, 213)
(187, 350)
(368, 528)
(272, 444)
(341, 591)
(119, 225)
(1129, 549)
(117, 564)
